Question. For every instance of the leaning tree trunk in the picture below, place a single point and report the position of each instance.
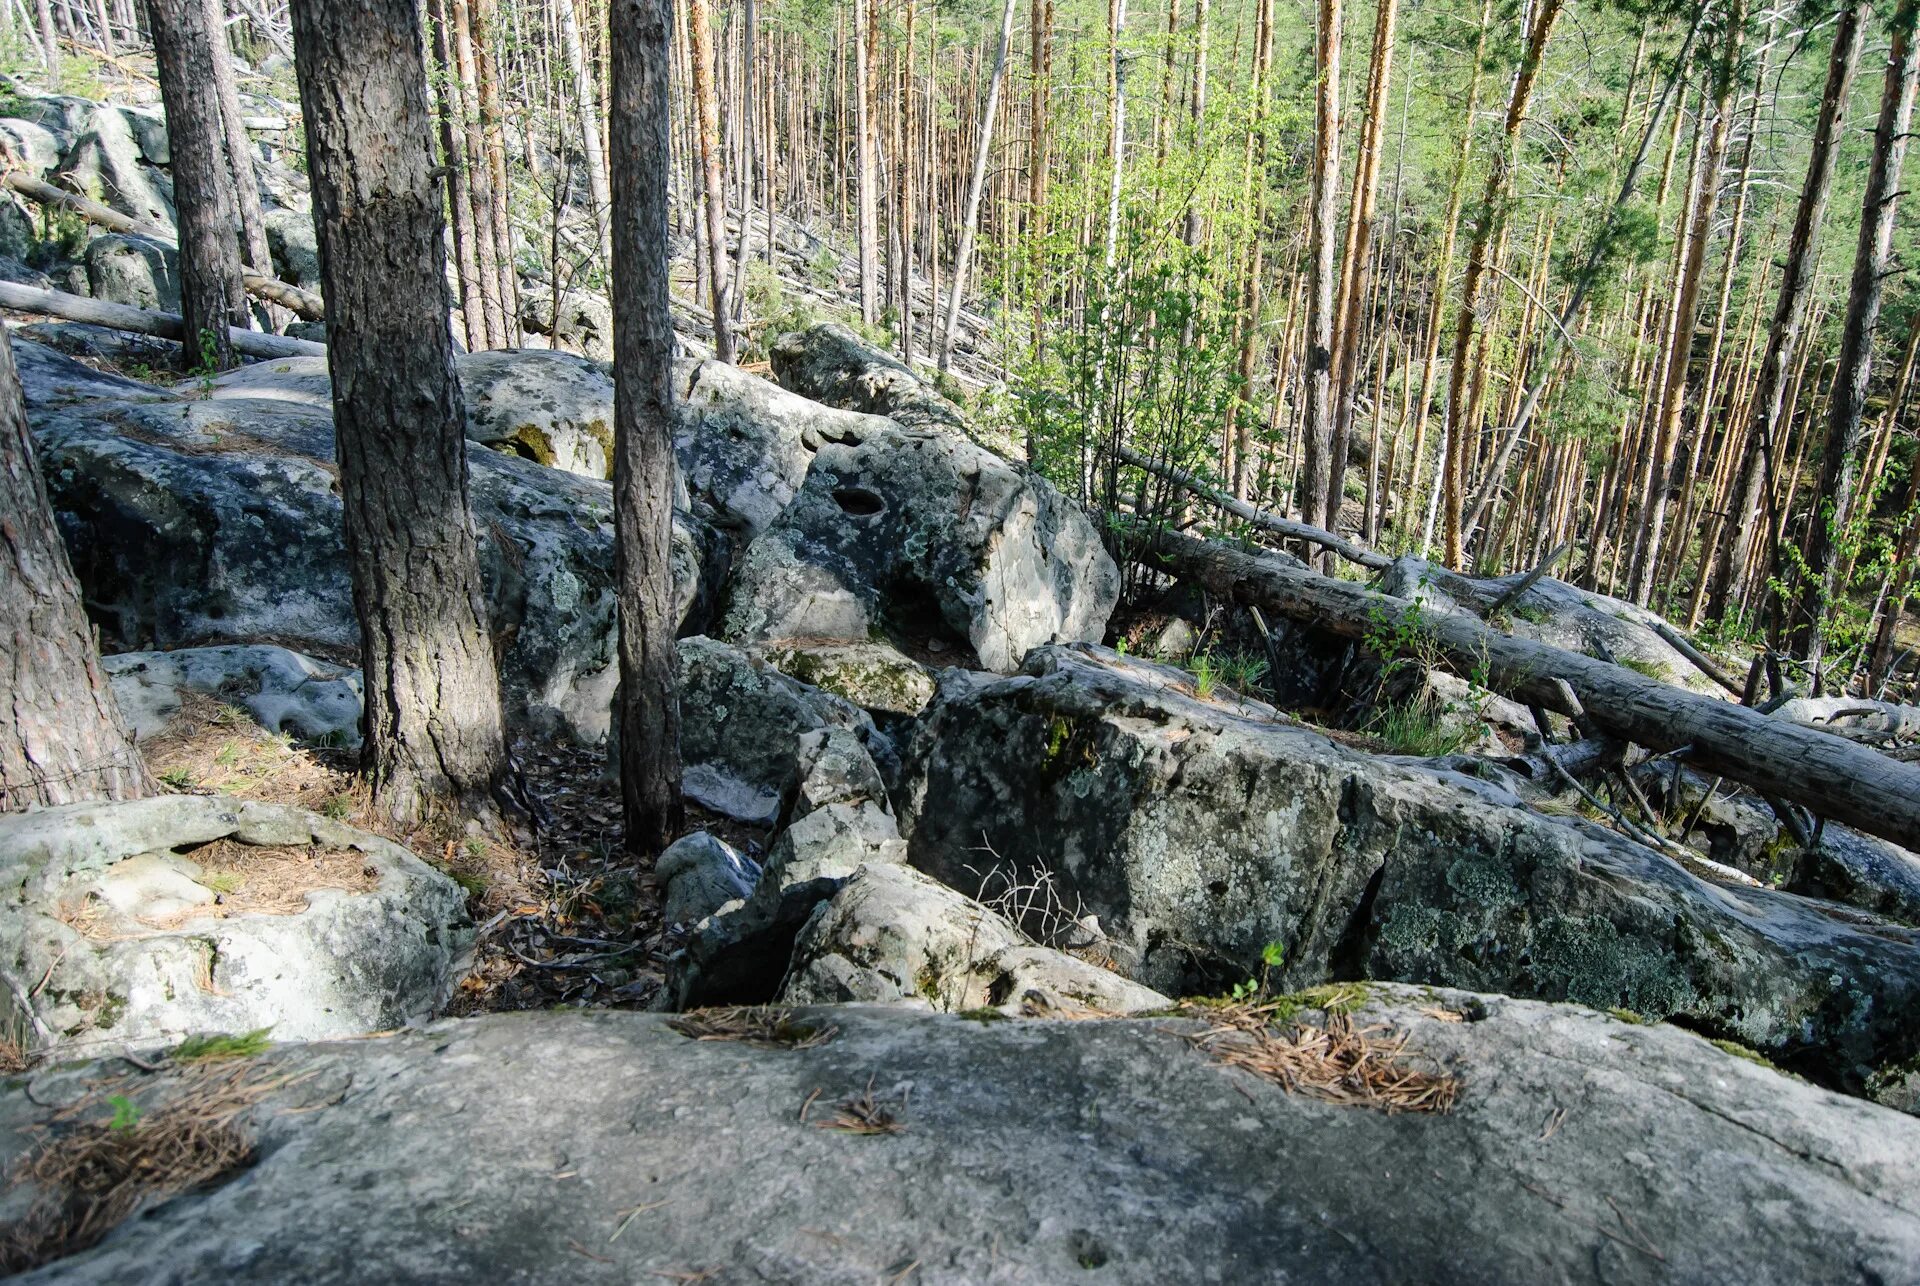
(1789, 313)
(1834, 510)
(61, 735)
(246, 185)
(643, 479)
(211, 296)
(970, 220)
(433, 720)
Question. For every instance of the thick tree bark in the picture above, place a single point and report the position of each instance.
(643, 483)
(1319, 470)
(1879, 202)
(433, 724)
(707, 115)
(61, 735)
(970, 219)
(212, 298)
(1830, 775)
(1769, 399)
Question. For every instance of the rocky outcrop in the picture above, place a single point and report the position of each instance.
(892, 934)
(284, 691)
(617, 1149)
(877, 677)
(136, 924)
(195, 521)
(1199, 832)
(928, 540)
(702, 874)
(829, 363)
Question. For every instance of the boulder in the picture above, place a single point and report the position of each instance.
(1199, 832)
(284, 691)
(199, 521)
(741, 723)
(892, 934)
(928, 540)
(552, 408)
(295, 246)
(829, 363)
(33, 146)
(132, 925)
(701, 874)
(745, 444)
(134, 271)
(877, 677)
(839, 821)
(586, 322)
(1027, 1152)
(105, 163)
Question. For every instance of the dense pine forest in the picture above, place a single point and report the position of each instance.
(879, 640)
(1474, 280)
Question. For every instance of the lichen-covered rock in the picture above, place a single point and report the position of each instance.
(195, 521)
(114, 936)
(1199, 832)
(105, 160)
(745, 443)
(295, 246)
(838, 821)
(702, 873)
(283, 690)
(134, 271)
(925, 537)
(586, 321)
(741, 722)
(877, 677)
(1029, 1152)
(829, 363)
(553, 408)
(894, 934)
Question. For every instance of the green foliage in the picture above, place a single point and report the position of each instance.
(208, 1049)
(126, 1112)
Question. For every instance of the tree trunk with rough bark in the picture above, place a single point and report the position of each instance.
(1319, 469)
(707, 116)
(61, 735)
(212, 298)
(643, 484)
(434, 733)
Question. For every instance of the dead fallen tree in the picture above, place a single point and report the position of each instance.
(305, 303)
(1261, 518)
(1827, 774)
(141, 321)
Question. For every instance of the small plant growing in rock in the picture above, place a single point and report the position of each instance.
(210, 1049)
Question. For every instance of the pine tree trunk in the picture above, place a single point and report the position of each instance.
(970, 220)
(1827, 529)
(212, 296)
(61, 738)
(450, 110)
(1315, 483)
(586, 100)
(707, 113)
(643, 485)
(1789, 314)
(239, 152)
(867, 232)
(433, 722)
(1492, 217)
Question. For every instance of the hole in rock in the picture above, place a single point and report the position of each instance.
(858, 501)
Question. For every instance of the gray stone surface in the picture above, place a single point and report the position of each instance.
(196, 521)
(282, 689)
(927, 539)
(100, 950)
(877, 677)
(552, 408)
(533, 1148)
(295, 246)
(892, 934)
(586, 321)
(702, 873)
(829, 363)
(1199, 832)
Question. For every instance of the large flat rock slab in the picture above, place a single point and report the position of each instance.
(608, 1147)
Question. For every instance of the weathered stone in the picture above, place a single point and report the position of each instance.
(552, 408)
(741, 723)
(893, 934)
(103, 945)
(35, 147)
(105, 163)
(878, 678)
(134, 271)
(295, 246)
(928, 539)
(283, 690)
(195, 521)
(1028, 1152)
(1199, 832)
(586, 321)
(701, 874)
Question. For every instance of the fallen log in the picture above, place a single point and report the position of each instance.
(1261, 518)
(141, 321)
(1830, 775)
(305, 303)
